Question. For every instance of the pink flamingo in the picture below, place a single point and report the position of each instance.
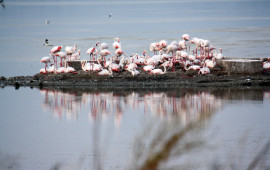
(155, 47)
(116, 43)
(266, 64)
(62, 56)
(106, 72)
(219, 55)
(104, 53)
(54, 50)
(45, 60)
(158, 71)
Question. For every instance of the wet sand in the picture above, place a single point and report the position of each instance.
(178, 78)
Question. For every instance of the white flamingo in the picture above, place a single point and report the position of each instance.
(116, 43)
(219, 55)
(158, 71)
(105, 72)
(204, 70)
(45, 60)
(155, 47)
(185, 37)
(104, 53)
(62, 56)
(210, 63)
(266, 64)
(148, 68)
(135, 72)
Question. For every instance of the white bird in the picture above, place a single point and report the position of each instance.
(116, 43)
(210, 63)
(185, 37)
(158, 71)
(135, 72)
(45, 60)
(154, 47)
(193, 67)
(61, 70)
(172, 48)
(103, 46)
(105, 72)
(148, 68)
(70, 70)
(204, 70)
(62, 56)
(182, 45)
(219, 55)
(104, 53)
(266, 65)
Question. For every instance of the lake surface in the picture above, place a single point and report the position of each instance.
(240, 27)
(198, 128)
(122, 128)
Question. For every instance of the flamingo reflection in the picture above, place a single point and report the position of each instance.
(187, 106)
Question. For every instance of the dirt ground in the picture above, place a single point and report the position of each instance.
(177, 78)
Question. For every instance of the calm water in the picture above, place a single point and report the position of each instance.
(240, 27)
(119, 129)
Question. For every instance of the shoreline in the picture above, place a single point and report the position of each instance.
(217, 78)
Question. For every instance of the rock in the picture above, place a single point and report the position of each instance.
(241, 66)
(3, 78)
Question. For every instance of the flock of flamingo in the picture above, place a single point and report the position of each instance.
(201, 58)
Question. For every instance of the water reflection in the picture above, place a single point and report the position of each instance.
(185, 103)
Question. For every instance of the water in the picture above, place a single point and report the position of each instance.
(108, 129)
(118, 129)
(240, 27)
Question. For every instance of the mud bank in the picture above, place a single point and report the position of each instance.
(179, 78)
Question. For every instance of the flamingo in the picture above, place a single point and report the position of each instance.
(76, 55)
(266, 64)
(210, 63)
(182, 45)
(158, 71)
(69, 50)
(184, 54)
(148, 68)
(86, 66)
(115, 67)
(116, 43)
(91, 51)
(135, 72)
(131, 66)
(185, 37)
(163, 44)
(70, 70)
(104, 53)
(197, 42)
(51, 69)
(119, 52)
(61, 70)
(154, 47)
(43, 71)
(193, 67)
(103, 46)
(62, 56)
(54, 50)
(204, 70)
(172, 48)
(45, 60)
(219, 55)
(105, 72)
(122, 61)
